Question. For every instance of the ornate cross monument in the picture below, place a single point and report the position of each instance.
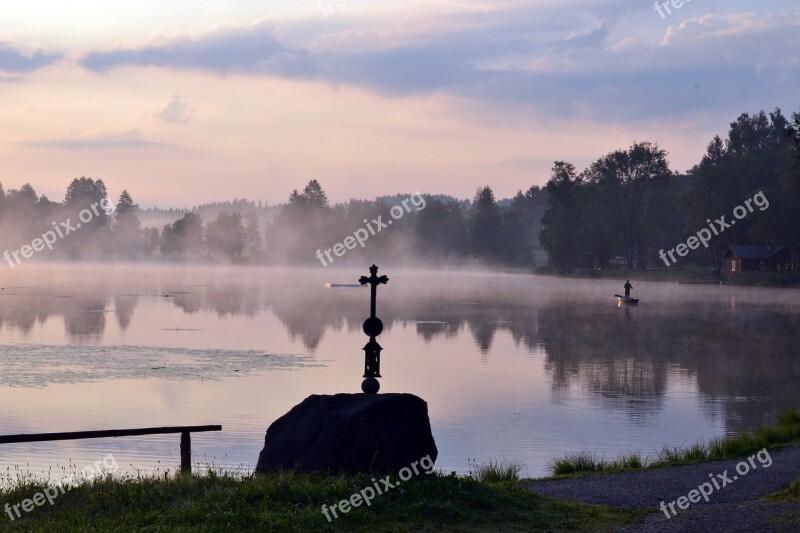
(360, 440)
(372, 327)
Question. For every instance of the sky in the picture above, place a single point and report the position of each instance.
(187, 102)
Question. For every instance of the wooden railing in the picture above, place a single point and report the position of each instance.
(185, 431)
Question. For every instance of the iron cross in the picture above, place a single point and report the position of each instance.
(374, 280)
(372, 327)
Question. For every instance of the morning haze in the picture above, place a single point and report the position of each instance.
(387, 266)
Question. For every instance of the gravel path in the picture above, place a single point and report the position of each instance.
(725, 518)
(730, 507)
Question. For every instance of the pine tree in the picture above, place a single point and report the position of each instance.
(314, 195)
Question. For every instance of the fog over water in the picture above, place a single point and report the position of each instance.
(513, 366)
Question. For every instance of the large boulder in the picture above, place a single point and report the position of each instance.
(350, 433)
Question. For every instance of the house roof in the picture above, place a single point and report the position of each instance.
(753, 252)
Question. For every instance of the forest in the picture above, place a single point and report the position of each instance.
(619, 211)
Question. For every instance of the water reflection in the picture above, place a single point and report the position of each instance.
(739, 355)
(739, 350)
(123, 309)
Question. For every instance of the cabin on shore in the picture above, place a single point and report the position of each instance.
(768, 258)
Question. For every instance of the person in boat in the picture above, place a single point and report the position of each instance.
(628, 288)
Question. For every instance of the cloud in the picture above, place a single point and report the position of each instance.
(590, 39)
(403, 70)
(554, 60)
(621, 45)
(225, 50)
(14, 61)
(124, 139)
(712, 27)
(176, 111)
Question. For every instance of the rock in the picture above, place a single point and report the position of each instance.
(349, 433)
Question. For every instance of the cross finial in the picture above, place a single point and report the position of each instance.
(372, 327)
(374, 280)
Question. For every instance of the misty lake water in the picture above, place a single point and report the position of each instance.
(512, 366)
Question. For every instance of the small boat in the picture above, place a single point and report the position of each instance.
(627, 301)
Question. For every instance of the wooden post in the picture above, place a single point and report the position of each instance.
(75, 435)
(185, 431)
(186, 452)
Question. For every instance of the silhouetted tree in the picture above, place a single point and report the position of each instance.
(562, 222)
(83, 207)
(25, 195)
(757, 156)
(599, 237)
(485, 225)
(303, 226)
(226, 235)
(441, 229)
(82, 193)
(252, 235)
(151, 241)
(183, 237)
(631, 182)
(22, 217)
(525, 211)
(314, 196)
(128, 238)
(794, 132)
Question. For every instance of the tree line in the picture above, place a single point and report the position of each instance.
(117, 233)
(623, 208)
(630, 205)
(446, 230)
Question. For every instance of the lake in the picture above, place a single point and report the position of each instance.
(512, 366)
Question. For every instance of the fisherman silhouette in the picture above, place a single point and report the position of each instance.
(628, 288)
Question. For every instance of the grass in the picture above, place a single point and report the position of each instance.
(789, 494)
(496, 471)
(673, 274)
(767, 279)
(582, 462)
(290, 501)
(785, 430)
(652, 274)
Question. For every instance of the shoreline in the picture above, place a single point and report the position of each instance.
(694, 276)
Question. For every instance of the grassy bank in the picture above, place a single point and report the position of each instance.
(786, 430)
(674, 275)
(293, 502)
(790, 494)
